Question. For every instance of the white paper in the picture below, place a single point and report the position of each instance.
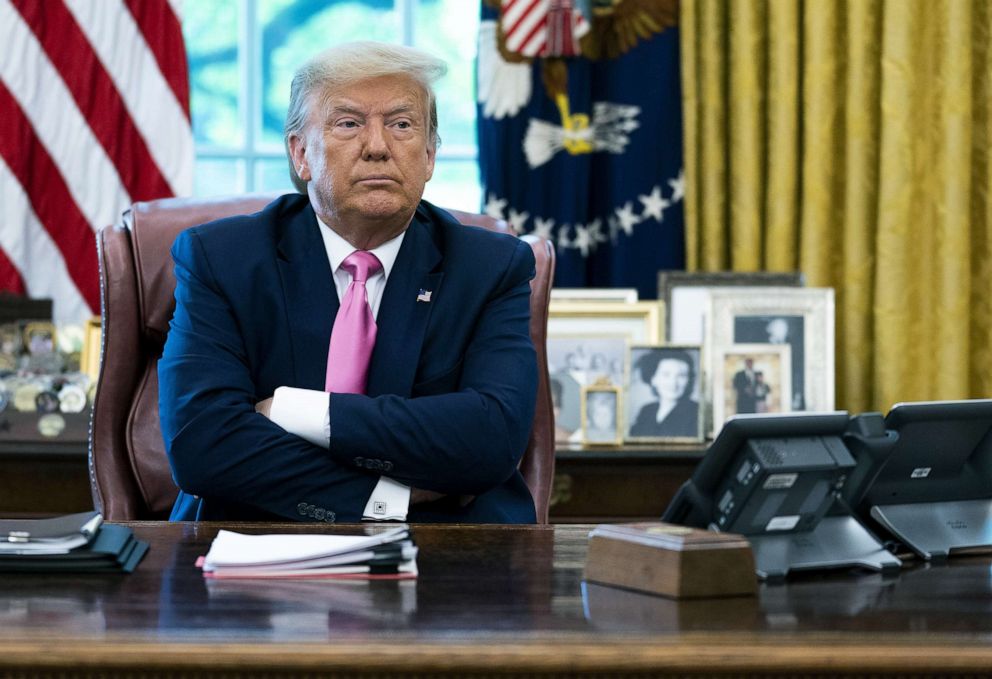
(236, 549)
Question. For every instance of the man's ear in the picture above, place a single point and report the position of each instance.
(298, 155)
(431, 156)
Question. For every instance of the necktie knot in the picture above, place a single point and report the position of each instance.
(361, 264)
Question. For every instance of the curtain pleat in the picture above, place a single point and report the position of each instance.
(782, 131)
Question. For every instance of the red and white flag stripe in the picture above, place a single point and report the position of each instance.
(538, 28)
(94, 115)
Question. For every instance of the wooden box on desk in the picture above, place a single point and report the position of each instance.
(671, 560)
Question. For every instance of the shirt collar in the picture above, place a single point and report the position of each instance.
(338, 249)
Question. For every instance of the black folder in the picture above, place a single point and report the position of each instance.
(113, 549)
(60, 533)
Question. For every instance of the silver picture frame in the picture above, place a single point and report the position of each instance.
(800, 317)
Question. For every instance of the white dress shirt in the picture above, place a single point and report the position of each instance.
(305, 412)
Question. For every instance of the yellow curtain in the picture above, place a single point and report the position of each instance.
(851, 140)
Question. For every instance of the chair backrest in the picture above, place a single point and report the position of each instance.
(129, 472)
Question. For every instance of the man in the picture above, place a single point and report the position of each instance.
(388, 344)
(744, 383)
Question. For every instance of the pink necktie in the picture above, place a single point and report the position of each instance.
(353, 336)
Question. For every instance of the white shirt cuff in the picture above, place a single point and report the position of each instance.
(390, 501)
(303, 412)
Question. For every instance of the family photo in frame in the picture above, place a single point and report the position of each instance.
(751, 379)
(575, 362)
(800, 318)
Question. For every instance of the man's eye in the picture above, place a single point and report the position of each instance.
(347, 123)
(403, 124)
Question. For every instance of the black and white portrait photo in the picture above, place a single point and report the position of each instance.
(784, 329)
(663, 394)
(600, 409)
(576, 362)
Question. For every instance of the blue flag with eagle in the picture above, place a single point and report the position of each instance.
(580, 133)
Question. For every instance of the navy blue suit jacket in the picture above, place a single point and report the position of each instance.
(451, 386)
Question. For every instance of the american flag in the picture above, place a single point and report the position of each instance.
(542, 28)
(94, 115)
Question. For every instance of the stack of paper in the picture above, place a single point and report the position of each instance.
(77, 543)
(389, 554)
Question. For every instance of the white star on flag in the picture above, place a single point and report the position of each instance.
(517, 220)
(627, 219)
(543, 228)
(596, 231)
(563, 240)
(494, 207)
(582, 240)
(678, 186)
(654, 205)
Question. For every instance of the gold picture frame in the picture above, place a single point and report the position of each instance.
(614, 295)
(89, 362)
(40, 338)
(640, 322)
(602, 405)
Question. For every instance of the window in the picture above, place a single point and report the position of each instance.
(242, 55)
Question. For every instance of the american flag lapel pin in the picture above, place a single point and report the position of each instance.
(424, 295)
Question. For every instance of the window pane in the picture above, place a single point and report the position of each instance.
(292, 31)
(455, 184)
(218, 177)
(272, 176)
(448, 29)
(210, 28)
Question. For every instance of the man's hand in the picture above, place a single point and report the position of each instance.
(419, 496)
(264, 407)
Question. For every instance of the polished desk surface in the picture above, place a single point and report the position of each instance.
(488, 599)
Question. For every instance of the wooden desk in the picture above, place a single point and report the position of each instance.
(489, 601)
(623, 483)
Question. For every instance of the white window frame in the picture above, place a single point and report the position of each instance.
(250, 104)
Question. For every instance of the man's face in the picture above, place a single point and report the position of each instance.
(778, 330)
(365, 150)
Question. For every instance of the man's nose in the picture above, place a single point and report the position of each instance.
(375, 146)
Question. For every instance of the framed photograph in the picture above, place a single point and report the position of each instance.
(751, 378)
(663, 395)
(11, 339)
(39, 338)
(622, 295)
(685, 295)
(89, 362)
(638, 321)
(802, 318)
(601, 415)
(575, 362)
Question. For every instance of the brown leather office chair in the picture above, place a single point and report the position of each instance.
(129, 472)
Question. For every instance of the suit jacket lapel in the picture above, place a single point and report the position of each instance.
(402, 320)
(311, 300)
